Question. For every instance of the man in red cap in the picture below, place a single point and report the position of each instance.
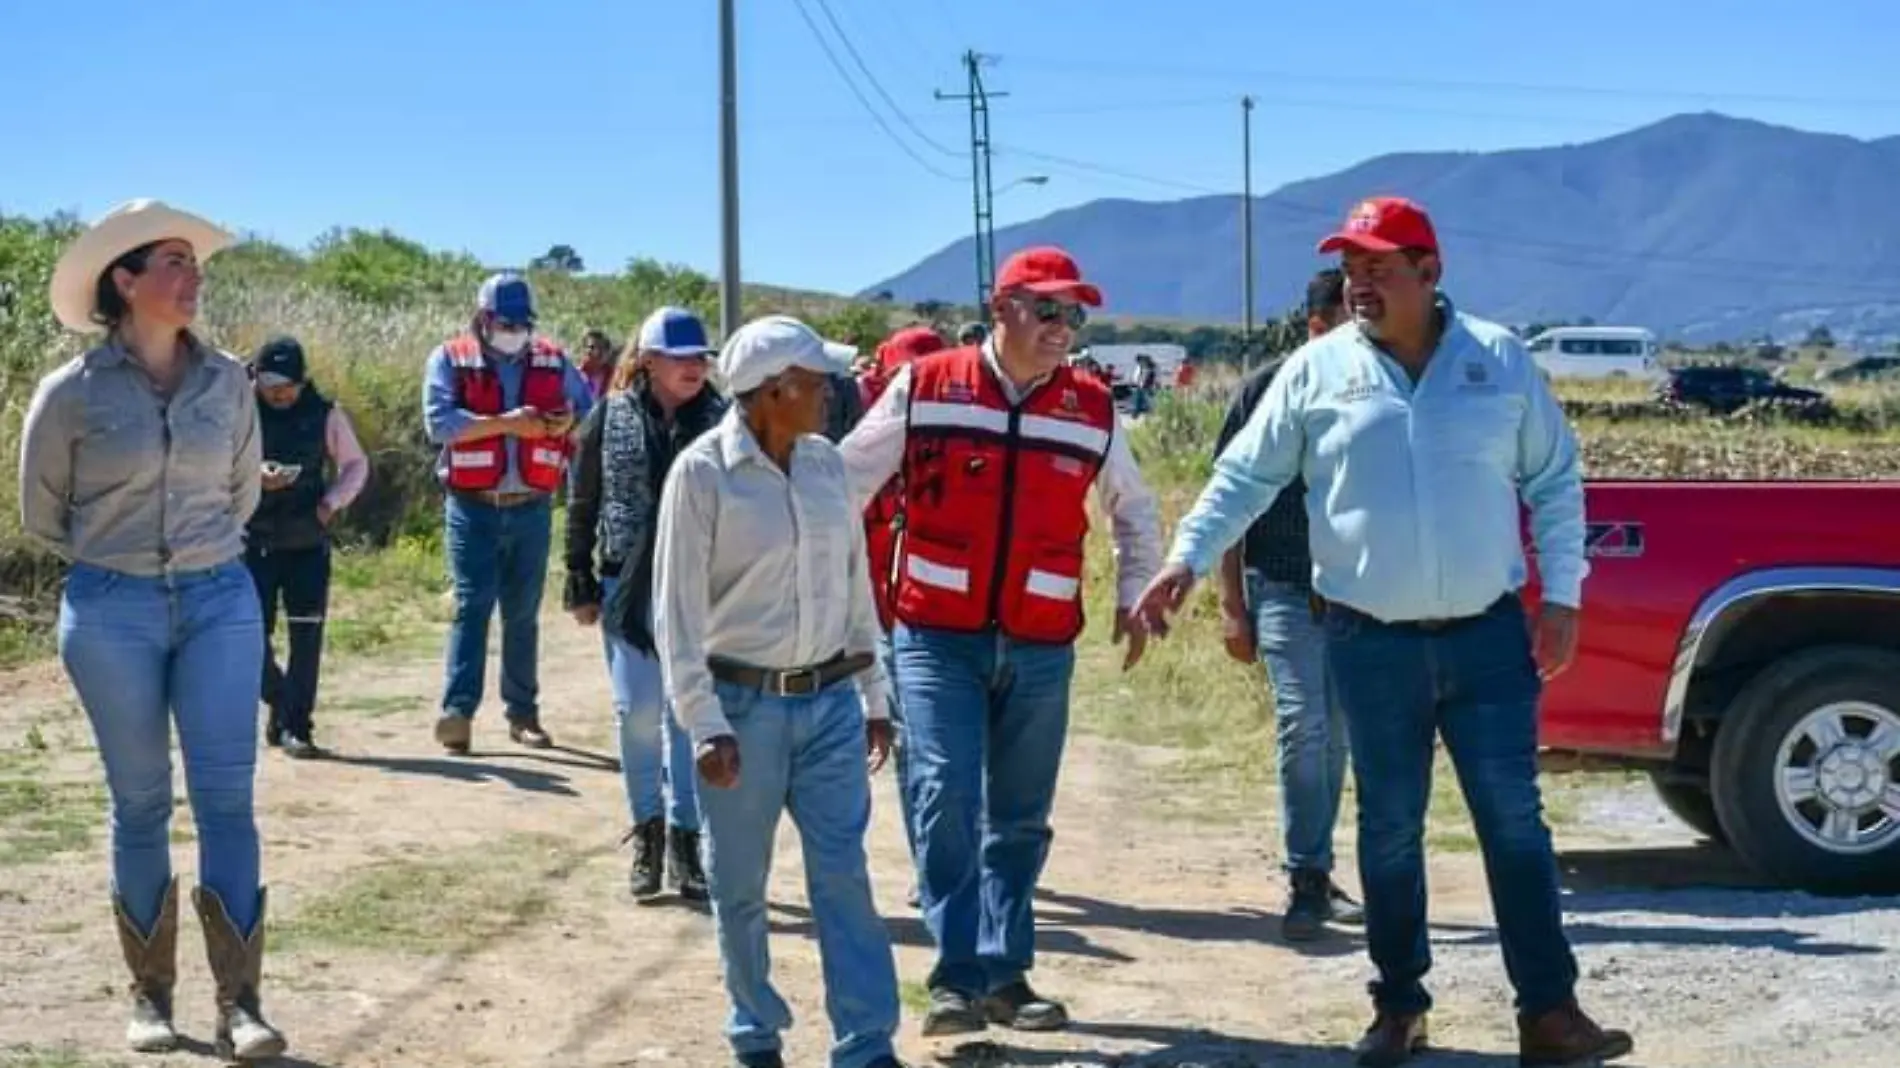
(999, 445)
(1419, 432)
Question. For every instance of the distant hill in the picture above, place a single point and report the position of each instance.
(1702, 227)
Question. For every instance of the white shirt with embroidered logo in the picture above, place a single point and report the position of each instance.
(759, 566)
(874, 452)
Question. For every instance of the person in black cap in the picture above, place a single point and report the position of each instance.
(288, 538)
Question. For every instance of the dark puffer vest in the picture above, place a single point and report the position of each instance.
(293, 436)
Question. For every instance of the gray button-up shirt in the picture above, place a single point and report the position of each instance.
(114, 475)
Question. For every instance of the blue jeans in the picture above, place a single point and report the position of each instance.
(142, 652)
(805, 755)
(496, 554)
(985, 720)
(656, 755)
(1475, 685)
(900, 749)
(1311, 735)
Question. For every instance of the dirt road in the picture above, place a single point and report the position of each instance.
(431, 911)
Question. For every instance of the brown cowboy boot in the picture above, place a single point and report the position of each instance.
(236, 964)
(153, 961)
(1566, 1038)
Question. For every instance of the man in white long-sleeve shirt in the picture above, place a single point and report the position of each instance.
(1000, 444)
(767, 637)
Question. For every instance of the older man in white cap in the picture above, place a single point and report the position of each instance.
(768, 637)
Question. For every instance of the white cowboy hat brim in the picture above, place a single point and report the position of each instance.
(117, 232)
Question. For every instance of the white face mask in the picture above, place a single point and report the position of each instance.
(508, 342)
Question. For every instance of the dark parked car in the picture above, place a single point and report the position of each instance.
(1723, 390)
(1863, 369)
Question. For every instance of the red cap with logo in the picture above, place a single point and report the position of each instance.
(1384, 224)
(1049, 271)
(906, 345)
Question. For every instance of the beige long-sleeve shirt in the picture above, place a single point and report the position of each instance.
(875, 449)
(114, 475)
(759, 566)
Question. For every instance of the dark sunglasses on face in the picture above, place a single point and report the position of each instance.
(1051, 310)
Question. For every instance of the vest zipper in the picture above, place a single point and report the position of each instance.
(1008, 517)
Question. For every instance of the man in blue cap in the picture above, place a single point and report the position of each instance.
(499, 400)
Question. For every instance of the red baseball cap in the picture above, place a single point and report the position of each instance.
(1048, 270)
(906, 345)
(1384, 224)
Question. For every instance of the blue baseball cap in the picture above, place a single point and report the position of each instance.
(508, 297)
(672, 331)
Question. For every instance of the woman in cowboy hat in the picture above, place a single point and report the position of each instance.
(140, 465)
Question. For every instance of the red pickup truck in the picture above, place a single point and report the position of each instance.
(1741, 643)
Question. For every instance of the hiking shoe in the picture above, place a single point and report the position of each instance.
(528, 732)
(770, 1058)
(649, 857)
(1566, 1038)
(1019, 1007)
(952, 1012)
(453, 731)
(1393, 1039)
(1314, 902)
(683, 866)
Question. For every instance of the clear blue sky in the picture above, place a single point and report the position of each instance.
(503, 128)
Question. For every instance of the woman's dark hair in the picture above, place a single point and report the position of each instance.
(109, 309)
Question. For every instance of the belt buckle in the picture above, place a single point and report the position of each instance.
(783, 683)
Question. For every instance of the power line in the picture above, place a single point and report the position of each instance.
(824, 7)
(856, 92)
(1139, 68)
(1113, 172)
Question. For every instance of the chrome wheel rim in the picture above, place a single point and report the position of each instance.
(1837, 778)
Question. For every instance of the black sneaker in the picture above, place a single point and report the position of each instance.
(649, 857)
(770, 1058)
(300, 747)
(1308, 907)
(1019, 1007)
(683, 864)
(952, 1012)
(273, 729)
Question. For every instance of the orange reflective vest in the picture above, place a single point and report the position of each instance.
(995, 498)
(479, 465)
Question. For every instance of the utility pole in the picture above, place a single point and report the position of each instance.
(980, 191)
(729, 308)
(1246, 230)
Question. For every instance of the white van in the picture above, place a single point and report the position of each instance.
(1597, 352)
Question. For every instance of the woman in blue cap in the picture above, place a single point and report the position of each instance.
(659, 401)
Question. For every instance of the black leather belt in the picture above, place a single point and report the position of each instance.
(1428, 626)
(498, 499)
(792, 682)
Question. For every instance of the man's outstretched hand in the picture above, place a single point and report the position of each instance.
(1163, 598)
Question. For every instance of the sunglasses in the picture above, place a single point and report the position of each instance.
(1051, 310)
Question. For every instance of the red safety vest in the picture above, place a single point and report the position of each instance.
(479, 465)
(883, 520)
(995, 498)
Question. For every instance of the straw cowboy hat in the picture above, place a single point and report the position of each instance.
(117, 232)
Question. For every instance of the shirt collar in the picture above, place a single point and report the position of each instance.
(736, 443)
(1009, 385)
(112, 353)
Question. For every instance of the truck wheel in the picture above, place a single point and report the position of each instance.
(1692, 804)
(1806, 770)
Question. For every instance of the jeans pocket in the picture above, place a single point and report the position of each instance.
(85, 582)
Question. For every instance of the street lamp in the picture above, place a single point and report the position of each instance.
(1033, 179)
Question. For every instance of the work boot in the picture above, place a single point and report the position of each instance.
(952, 1012)
(1393, 1039)
(1019, 1007)
(153, 962)
(649, 857)
(452, 732)
(528, 732)
(684, 864)
(1566, 1038)
(236, 966)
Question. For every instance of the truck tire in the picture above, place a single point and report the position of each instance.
(1806, 770)
(1692, 804)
